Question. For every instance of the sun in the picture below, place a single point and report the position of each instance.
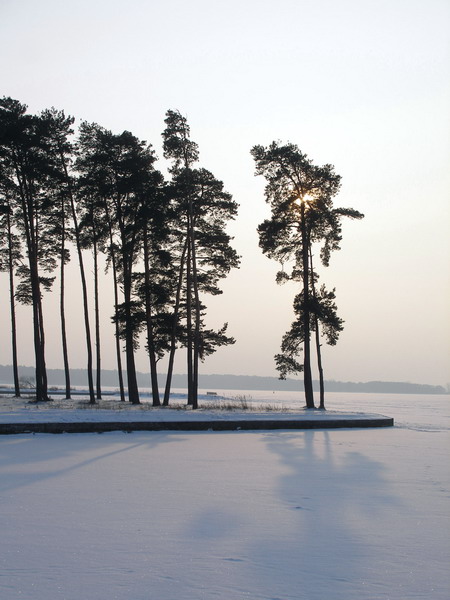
(305, 198)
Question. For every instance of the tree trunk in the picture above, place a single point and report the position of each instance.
(189, 325)
(37, 355)
(62, 309)
(14, 336)
(97, 322)
(153, 368)
(309, 394)
(317, 336)
(42, 337)
(197, 323)
(83, 282)
(149, 322)
(116, 332)
(12, 308)
(38, 297)
(319, 366)
(173, 339)
(14, 339)
(86, 313)
(41, 393)
(30, 226)
(133, 390)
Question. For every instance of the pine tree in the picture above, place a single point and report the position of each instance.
(300, 195)
(27, 172)
(118, 171)
(10, 258)
(202, 209)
